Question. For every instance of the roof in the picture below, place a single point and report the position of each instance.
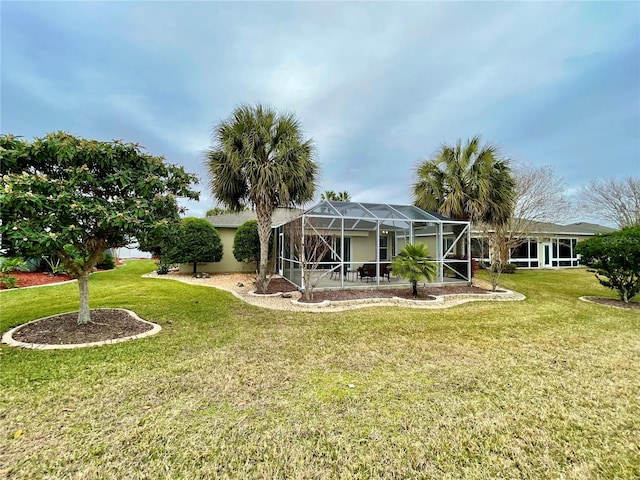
(374, 211)
(234, 220)
(577, 228)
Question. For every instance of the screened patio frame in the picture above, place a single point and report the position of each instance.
(333, 221)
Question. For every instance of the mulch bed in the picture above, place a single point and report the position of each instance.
(29, 279)
(613, 302)
(64, 329)
(277, 285)
(404, 292)
(281, 285)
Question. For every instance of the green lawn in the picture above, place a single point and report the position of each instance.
(545, 388)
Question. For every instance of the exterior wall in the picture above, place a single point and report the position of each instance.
(430, 242)
(228, 263)
(363, 249)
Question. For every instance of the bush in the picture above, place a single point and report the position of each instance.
(7, 281)
(8, 265)
(51, 264)
(615, 256)
(107, 262)
(246, 242)
(12, 264)
(197, 241)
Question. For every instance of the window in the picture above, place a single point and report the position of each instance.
(384, 250)
(446, 245)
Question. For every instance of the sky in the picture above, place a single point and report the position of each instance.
(378, 86)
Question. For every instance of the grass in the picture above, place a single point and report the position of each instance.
(544, 388)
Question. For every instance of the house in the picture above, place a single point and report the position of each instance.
(548, 245)
(369, 234)
(226, 225)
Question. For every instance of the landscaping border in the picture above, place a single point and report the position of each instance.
(9, 340)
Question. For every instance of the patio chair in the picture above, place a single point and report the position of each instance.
(368, 270)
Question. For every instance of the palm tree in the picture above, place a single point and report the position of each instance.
(467, 182)
(337, 197)
(259, 157)
(413, 263)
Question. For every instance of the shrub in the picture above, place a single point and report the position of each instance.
(246, 243)
(506, 268)
(51, 264)
(107, 262)
(8, 265)
(197, 241)
(8, 281)
(615, 256)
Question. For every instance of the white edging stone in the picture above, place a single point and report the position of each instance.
(9, 340)
(439, 301)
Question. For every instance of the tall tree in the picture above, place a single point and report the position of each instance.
(75, 198)
(467, 182)
(336, 197)
(259, 157)
(612, 200)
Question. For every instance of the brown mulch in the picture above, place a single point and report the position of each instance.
(614, 302)
(277, 285)
(404, 292)
(64, 329)
(30, 279)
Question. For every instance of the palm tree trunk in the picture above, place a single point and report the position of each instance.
(84, 316)
(264, 232)
(414, 290)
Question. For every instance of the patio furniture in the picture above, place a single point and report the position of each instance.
(368, 270)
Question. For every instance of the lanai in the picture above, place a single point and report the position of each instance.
(369, 234)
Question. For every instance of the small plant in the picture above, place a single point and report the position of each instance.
(413, 263)
(507, 268)
(8, 281)
(53, 265)
(8, 265)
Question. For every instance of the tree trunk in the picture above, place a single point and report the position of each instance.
(414, 290)
(83, 285)
(264, 233)
(195, 269)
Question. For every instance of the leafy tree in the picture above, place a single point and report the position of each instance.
(336, 197)
(246, 242)
(612, 200)
(467, 182)
(260, 158)
(74, 198)
(197, 241)
(616, 256)
(413, 263)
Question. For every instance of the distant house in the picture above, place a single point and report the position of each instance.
(549, 245)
